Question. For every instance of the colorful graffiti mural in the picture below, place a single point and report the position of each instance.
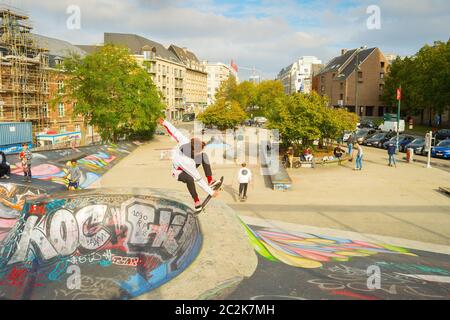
(93, 162)
(306, 250)
(118, 245)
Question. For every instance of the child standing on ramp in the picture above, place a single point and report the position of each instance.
(187, 157)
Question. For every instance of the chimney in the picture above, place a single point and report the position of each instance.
(343, 51)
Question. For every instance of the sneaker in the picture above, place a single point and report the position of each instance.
(198, 206)
(214, 183)
(6, 177)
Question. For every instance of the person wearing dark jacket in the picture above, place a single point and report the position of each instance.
(5, 169)
(391, 153)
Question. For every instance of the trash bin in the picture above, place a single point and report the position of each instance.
(409, 155)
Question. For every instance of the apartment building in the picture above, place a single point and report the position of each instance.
(298, 77)
(355, 80)
(30, 77)
(217, 73)
(195, 81)
(60, 117)
(167, 70)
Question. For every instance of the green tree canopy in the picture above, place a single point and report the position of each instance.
(112, 92)
(223, 114)
(424, 79)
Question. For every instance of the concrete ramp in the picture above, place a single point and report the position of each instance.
(96, 244)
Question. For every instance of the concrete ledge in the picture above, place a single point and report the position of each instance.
(225, 259)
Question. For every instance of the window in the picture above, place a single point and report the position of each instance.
(45, 86)
(381, 75)
(77, 127)
(45, 110)
(322, 88)
(334, 75)
(62, 129)
(322, 78)
(61, 110)
(60, 86)
(382, 64)
(381, 87)
(369, 111)
(147, 55)
(360, 74)
(25, 112)
(341, 97)
(342, 86)
(380, 111)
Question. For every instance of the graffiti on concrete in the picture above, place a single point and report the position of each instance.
(351, 282)
(306, 250)
(93, 162)
(12, 198)
(124, 246)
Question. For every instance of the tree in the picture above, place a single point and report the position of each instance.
(424, 80)
(223, 114)
(303, 118)
(298, 117)
(266, 97)
(245, 95)
(112, 92)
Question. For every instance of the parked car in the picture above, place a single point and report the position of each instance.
(259, 121)
(347, 135)
(366, 124)
(418, 145)
(363, 134)
(379, 139)
(442, 134)
(402, 141)
(442, 150)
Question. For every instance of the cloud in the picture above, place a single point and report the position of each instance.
(265, 34)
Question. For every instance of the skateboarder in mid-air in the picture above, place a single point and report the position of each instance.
(187, 157)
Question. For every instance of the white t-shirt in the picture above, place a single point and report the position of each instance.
(245, 175)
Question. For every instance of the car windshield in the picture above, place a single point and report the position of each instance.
(418, 140)
(445, 143)
(378, 136)
(361, 133)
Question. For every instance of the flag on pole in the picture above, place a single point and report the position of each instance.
(399, 94)
(234, 66)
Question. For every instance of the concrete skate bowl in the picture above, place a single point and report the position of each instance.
(93, 162)
(96, 245)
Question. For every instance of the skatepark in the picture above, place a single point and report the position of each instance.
(131, 234)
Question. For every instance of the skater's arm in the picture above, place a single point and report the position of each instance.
(174, 132)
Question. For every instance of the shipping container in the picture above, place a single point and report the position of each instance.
(15, 133)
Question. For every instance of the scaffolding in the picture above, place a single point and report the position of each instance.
(24, 76)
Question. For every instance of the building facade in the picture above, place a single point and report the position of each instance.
(355, 80)
(195, 82)
(298, 77)
(167, 70)
(30, 78)
(217, 73)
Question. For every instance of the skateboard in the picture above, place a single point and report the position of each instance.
(208, 198)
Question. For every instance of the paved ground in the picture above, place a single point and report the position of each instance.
(401, 205)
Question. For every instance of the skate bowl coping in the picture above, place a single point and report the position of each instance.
(97, 244)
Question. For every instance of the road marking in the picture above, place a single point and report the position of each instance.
(409, 244)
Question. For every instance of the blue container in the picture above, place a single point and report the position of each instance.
(15, 133)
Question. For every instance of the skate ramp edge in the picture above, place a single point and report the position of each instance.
(97, 244)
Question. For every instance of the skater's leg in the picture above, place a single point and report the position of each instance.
(245, 190)
(241, 189)
(203, 160)
(189, 181)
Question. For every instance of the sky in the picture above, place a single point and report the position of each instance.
(265, 35)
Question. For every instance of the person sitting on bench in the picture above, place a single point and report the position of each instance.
(338, 152)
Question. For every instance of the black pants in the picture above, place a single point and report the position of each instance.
(5, 169)
(27, 171)
(203, 160)
(243, 189)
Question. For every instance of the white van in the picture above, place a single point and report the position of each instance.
(392, 126)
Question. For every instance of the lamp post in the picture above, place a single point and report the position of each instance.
(399, 98)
